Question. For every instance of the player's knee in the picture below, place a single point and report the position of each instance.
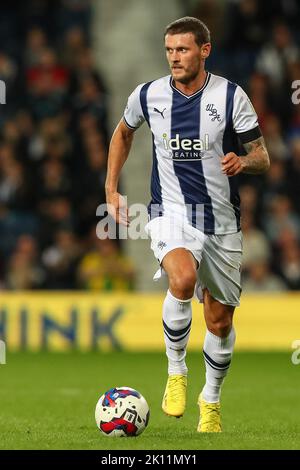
(220, 327)
(182, 284)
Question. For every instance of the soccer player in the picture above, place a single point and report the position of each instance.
(196, 119)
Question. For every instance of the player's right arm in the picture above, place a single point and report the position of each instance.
(118, 153)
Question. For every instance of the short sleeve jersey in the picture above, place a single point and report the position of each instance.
(190, 135)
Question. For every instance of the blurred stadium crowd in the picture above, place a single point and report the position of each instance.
(54, 137)
(53, 152)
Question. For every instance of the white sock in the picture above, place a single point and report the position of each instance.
(217, 354)
(177, 319)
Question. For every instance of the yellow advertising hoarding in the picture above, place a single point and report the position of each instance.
(85, 321)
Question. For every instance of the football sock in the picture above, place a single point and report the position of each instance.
(177, 319)
(217, 354)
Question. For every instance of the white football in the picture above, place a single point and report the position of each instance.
(122, 412)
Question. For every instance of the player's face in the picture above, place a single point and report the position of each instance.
(185, 57)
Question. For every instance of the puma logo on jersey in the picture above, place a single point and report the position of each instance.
(213, 112)
(160, 112)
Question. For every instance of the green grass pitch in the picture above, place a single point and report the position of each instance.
(47, 401)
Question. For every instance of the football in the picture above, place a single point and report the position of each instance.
(122, 412)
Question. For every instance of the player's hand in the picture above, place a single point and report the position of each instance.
(117, 208)
(231, 164)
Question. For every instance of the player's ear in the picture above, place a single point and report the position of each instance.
(205, 50)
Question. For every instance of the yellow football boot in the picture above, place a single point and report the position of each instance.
(174, 399)
(210, 416)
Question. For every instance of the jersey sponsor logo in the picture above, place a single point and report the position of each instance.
(186, 149)
(213, 113)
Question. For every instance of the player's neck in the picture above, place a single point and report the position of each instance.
(192, 87)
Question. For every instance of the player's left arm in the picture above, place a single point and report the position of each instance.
(256, 161)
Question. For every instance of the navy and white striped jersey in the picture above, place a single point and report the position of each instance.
(190, 135)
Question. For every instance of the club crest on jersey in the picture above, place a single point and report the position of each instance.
(213, 112)
(186, 149)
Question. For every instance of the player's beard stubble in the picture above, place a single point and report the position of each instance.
(190, 75)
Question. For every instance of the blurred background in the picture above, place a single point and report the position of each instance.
(69, 66)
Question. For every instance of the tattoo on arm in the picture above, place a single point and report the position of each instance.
(257, 159)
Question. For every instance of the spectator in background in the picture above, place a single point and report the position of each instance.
(76, 13)
(274, 138)
(245, 21)
(28, 143)
(53, 180)
(288, 265)
(260, 94)
(104, 268)
(284, 251)
(47, 85)
(287, 11)
(8, 71)
(24, 270)
(15, 190)
(55, 214)
(90, 99)
(11, 134)
(40, 14)
(61, 260)
(51, 169)
(256, 248)
(36, 43)
(245, 33)
(249, 202)
(75, 44)
(84, 66)
(47, 66)
(90, 182)
(277, 55)
(58, 147)
(9, 29)
(281, 216)
(274, 60)
(275, 183)
(261, 279)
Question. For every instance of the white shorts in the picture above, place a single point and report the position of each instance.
(219, 256)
